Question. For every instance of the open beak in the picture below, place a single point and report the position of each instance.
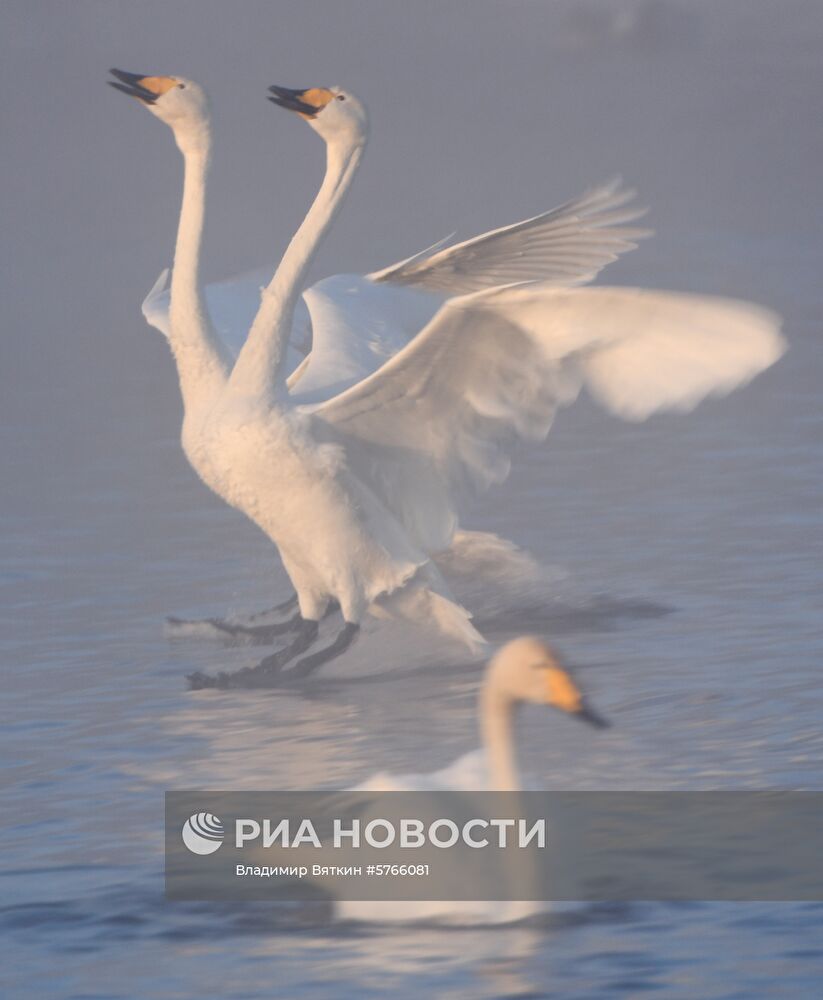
(587, 714)
(131, 84)
(293, 100)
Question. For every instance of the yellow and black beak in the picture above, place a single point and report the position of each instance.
(305, 102)
(131, 84)
(145, 88)
(563, 693)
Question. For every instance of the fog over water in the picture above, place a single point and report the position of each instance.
(682, 555)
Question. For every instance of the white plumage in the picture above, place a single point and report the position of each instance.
(346, 326)
(566, 246)
(436, 422)
(355, 456)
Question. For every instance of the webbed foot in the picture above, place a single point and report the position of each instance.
(266, 672)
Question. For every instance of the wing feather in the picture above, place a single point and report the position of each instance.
(344, 327)
(437, 423)
(566, 246)
(347, 325)
(232, 305)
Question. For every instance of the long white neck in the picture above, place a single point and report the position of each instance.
(200, 365)
(497, 712)
(259, 368)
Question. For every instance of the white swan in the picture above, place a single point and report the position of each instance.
(360, 489)
(346, 326)
(356, 322)
(353, 323)
(523, 671)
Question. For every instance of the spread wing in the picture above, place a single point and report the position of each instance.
(356, 327)
(232, 305)
(437, 422)
(344, 327)
(565, 247)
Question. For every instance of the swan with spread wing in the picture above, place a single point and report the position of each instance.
(419, 379)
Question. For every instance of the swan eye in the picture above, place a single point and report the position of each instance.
(182, 86)
(341, 97)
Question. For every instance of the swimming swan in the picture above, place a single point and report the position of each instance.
(523, 671)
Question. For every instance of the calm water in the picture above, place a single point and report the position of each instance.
(682, 556)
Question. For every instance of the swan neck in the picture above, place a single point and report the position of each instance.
(200, 364)
(259, 369)
(497, 718)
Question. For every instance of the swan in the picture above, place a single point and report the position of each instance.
(345, 326)
(360, 487)
(524, 671)
(356, 322)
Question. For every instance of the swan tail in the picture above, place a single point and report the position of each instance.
(455, 621)
(418, 603)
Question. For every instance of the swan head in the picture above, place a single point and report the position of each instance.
(182, 104)
(526, 670)
(334, 113)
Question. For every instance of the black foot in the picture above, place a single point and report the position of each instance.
(279, 609)
(307, 666)
(246, 633)
(265, 673)
(256, 635)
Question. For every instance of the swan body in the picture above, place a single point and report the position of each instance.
(523, 671)
(301, 494)
(357, 461)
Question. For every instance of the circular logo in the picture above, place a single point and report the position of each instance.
(203, 833)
